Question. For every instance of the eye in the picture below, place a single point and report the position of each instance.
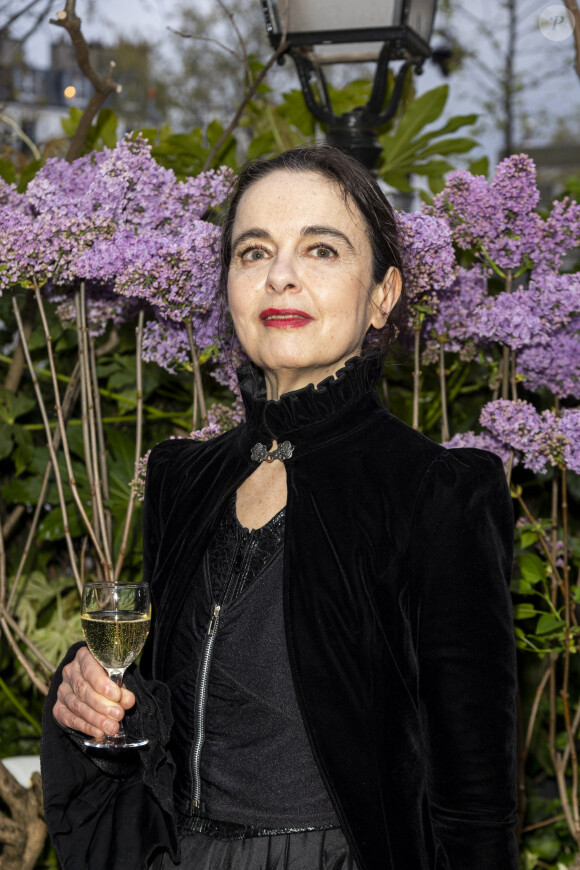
(323, 252)
(252, 253)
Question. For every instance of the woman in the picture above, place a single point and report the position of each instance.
(342, 678)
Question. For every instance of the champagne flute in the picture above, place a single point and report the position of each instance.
(115, 619)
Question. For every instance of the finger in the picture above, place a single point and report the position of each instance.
(84, 703)
(85, 720)
(100, 681)
(95, 675)
(127, 698)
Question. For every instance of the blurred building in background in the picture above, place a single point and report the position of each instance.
(37, 99)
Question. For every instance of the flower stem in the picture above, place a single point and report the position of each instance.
(51, 448)
(444, 415)
(138, 442)
(416, 376)
(197, 376)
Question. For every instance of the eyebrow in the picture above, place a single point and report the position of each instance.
(313, 230)
(318, 230)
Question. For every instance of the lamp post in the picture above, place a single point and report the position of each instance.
(322, 32)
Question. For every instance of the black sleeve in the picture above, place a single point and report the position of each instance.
(108, 811)
(460, 566)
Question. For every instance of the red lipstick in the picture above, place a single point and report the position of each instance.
(284, 318)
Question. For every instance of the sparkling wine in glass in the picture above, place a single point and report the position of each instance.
(115, 619)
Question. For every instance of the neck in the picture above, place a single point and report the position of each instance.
(280, 381)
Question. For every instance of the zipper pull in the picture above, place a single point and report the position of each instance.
(214, 619)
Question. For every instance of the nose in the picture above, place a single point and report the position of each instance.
(283, 275)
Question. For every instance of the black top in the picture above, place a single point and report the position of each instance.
(397, 558)
(256, 764)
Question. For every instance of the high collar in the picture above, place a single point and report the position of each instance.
(312, 410)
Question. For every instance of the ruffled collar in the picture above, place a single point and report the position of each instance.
(295, 414)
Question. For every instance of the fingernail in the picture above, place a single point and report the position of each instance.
(114, 713)
(109, 728)
(112, 692)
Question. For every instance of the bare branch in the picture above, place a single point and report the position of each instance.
(572, 7)
(103, 85)
(247, 97)
(221, 45)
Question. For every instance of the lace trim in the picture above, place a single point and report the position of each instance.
(240, 552)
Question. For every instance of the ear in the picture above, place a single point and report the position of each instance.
(385, 296)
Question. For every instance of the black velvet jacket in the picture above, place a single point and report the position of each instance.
(397, 610)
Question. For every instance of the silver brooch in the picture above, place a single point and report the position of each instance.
(283, 451)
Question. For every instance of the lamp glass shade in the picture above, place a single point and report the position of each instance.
(420, 19)
(316, 16)
(339, 22)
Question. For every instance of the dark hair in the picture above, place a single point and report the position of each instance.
(357, 186)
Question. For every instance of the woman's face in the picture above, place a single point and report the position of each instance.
(300, 284)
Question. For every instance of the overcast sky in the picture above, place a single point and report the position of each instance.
(557, 95)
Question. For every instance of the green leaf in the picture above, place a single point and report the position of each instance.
(7, 172)
(451, 126)
(525, 611)
(52, 526)
(295, 110)
(24, 452)
(521, 587)
(6, 442)
(106, 128)
(261, 145)
(549, 622)
(436, 183)
(422, 111)
(13, 406)
(448, 146)
(398, 180)
(527, 539)
(480, 167)
(532, 567)
(22, 490)
(70, 124)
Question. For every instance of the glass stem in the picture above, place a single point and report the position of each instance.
(117, 678)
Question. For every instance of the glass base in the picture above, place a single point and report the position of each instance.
(116, 742)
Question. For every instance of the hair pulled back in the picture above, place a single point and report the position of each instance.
(357, 186)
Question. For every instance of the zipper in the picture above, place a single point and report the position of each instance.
(202, 687)
(200, 702)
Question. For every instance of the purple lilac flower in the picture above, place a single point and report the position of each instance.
(539, 438)
(558, 234)
(554, 365)
(179, 276)
(569, 425)
(165, 343)
(526, 316)
(465, 203)
(510, 237)
(455, 311)
(499, 219)
(428, 258)
(484, 441)
(137, 485)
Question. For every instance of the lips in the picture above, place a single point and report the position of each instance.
(284, 318)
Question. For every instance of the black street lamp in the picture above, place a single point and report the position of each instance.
(320, 32)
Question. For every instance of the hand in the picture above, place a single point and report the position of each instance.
(88, 700)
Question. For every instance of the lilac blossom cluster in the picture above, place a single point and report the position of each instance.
(538, 439)
(555, 364)
(126, 226)
(428, 258)
(499, 222)
(534, 439)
